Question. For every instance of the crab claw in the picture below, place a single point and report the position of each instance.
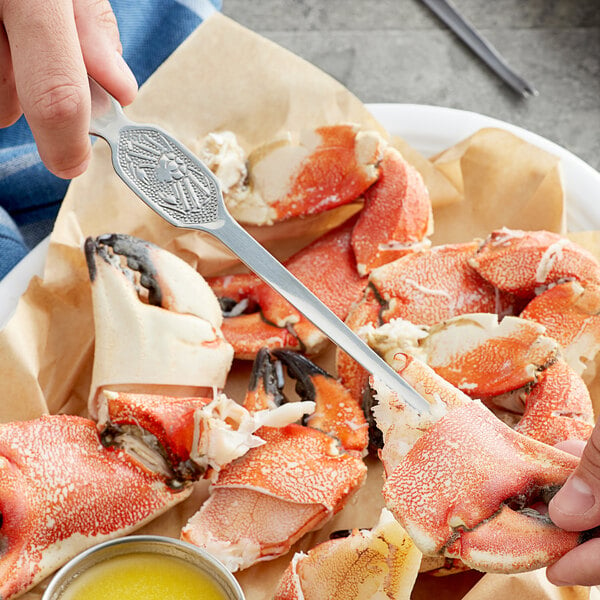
(485, 357)
(157, 321)
(411, 287)
(304, 173)
(467, 486)
(182, 438)
(61, 492)
(396, 216)
(265, 501)
(337, 412)
(521, 262)
(558, 407)
(327, 267)
(571, 315)
(379, 563)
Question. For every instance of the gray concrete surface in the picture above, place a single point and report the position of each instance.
(398, 51)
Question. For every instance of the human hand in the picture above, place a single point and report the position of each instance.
(576, 507)
(47, 48)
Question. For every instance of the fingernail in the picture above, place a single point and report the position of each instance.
(124, 67)
(574, 498)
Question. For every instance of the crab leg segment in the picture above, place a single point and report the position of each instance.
(306, 173)
(510, 365)
(182, 437)
(558, 408)
(61, 492)
(396, 216)
(571, 315)
(156, 321)
(468, 484)
(327, 267)
(484, 357)
(265, 501)
(522, 261)
(432, 285)
(379, 563)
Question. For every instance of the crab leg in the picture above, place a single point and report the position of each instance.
(379, 563)
(432, 285)
(61, 492)
(521, 262)
(465, 485)
(183, 438)
(396, 216)
(337, 412)
(263, 502)
(558, 408)
(571, 315)
(156, 321)
(327, 267)
(301, 174)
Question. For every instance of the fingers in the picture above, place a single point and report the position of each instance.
(580, 566)
(10, 109)
(101, 47)
(46, 50)
(576, 507)
(51, 81)
(574, 447)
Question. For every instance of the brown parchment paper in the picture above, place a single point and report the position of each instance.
(226, 77)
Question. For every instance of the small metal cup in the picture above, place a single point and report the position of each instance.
(144, 543)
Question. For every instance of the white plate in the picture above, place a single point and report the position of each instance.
(429, 129)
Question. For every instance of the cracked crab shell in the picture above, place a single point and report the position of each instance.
(378, 563)
(61, 492)
(177, 343)
(451, 493)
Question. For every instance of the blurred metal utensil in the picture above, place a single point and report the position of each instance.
(180, 188)
(490, 56)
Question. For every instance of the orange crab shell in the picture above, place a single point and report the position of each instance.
(396, 215)
(172, 421)
(571, 315)
(340, 167)
(352, 375)
(432, 285)
(328, 268)
(295, 454)
(485, 358)
(459, 474)
(266, 500)
(558, 408)
(518, 261)
(61, 492)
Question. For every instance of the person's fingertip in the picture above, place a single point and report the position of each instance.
(575, 498)
(72, 172)
(574, 447)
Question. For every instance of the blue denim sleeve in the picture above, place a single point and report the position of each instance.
(150, 30)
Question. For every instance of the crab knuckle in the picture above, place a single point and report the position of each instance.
(56, 103)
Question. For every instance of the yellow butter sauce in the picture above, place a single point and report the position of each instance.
(143, 576)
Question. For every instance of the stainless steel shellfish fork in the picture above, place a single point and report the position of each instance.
(183, 191)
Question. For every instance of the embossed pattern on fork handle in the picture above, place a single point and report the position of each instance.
(182, 190)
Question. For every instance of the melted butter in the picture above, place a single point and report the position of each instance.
(143, 576)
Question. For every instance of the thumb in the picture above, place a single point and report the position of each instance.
(576, 507)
